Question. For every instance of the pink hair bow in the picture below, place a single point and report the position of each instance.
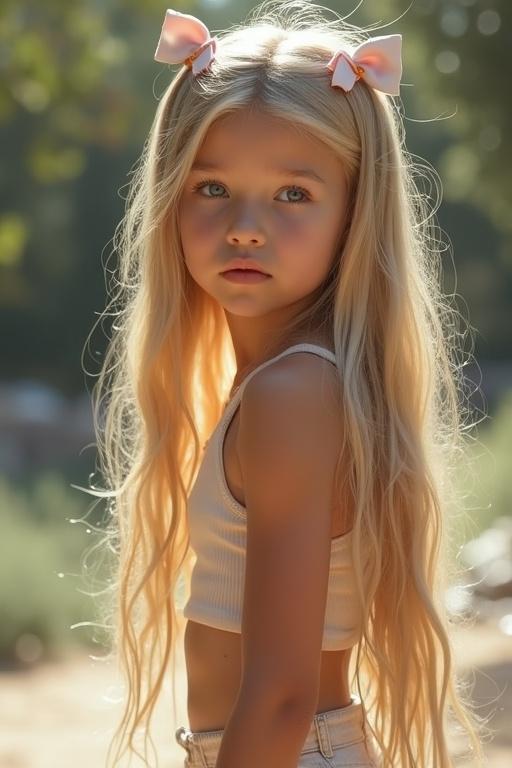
(378, 61)
(185, 40)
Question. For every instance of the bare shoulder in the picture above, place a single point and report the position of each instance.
(297, 397)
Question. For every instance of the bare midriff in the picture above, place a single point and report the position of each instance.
(213, 662)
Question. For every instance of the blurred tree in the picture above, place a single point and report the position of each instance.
(458, 56)
(78, 91)
(74, 76)
(55, 81)
(66, 87)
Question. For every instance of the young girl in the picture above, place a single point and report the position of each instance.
(274, 232)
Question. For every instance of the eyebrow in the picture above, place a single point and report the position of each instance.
(306, 173)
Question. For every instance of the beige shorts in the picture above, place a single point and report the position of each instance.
(336, 739)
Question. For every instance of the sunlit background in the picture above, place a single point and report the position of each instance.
(78, 91)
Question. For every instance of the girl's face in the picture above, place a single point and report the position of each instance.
(260, 189)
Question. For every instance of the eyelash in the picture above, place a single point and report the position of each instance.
(205, 183)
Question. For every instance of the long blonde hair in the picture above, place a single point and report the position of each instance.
(167, 369)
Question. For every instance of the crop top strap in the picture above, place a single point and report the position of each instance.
(302, 347)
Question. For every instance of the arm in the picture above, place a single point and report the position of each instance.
(258, 735)
(288, 447)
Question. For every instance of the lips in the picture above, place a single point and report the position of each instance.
(237, 269)
(245, 276)
(245, 265)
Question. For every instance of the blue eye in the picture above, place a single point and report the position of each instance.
(205, 183)
(301, 191)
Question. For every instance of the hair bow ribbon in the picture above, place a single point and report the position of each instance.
(185, 40)
(378, 61)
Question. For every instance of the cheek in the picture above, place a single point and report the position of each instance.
(295, 231)
(316, 229)
(195, 226)
(308, 245)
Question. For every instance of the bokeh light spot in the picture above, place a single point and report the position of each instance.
(447, 62)
(454, 21)
(488, 22)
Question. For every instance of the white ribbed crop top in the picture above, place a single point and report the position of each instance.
(217, 525)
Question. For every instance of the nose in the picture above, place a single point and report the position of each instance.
(245, 231)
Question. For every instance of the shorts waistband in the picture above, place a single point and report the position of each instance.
(328, 730)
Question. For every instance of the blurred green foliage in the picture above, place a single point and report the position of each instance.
(13, 238)
(457, 59)
(493, 458)
(45, 585)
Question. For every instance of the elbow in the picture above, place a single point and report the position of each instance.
(290, 705)
(299, 710)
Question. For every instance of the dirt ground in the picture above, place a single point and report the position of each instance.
(62, 715)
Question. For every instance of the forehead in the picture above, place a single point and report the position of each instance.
(254, 134)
